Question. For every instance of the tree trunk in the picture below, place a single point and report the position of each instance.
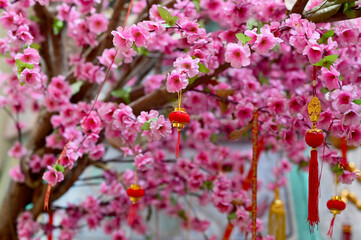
(19, 195)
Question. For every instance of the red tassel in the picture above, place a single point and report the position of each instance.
(132, 212)
(313, 184)
(47, 196)
(228, 231)
(331, 226)
(177, 151)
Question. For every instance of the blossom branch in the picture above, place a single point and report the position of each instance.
(299, 6)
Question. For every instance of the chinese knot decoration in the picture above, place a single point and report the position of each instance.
(179, 118)
(314, 138)
(134, 192)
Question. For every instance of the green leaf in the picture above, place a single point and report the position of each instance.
(143, 51)
(208, 185)
(173, 200)
(57, 26)
(167, 17)
(357, 101)
(58, 167)
(262, 79)
(123, 94)
(21, 66)
(191, 80)
(327, 61)
(75, 87)
(146, 125)
(182, 215)
(197, 4)
(325, 36)
(203, 68)
(348, 11)
(338, 170)
(232, 216)
(35, 46)
(243, 38)
(324, 90)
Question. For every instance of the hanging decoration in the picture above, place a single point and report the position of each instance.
(135, 192)
(336, 205)
(346, 232)
(247, 182)
(254, 173)
(179, 118)
(314, 138)
(277, 218)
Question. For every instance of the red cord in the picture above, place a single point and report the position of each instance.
(178, 143)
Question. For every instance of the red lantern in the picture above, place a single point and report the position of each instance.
(134, 192)
(314, 137)
(179, 118)
(336, 206)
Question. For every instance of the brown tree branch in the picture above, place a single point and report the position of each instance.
(299, 6)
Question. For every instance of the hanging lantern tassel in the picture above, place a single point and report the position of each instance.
(277, 218)
(314, 138)
(135, 192)
(179, 118)
(336, 205)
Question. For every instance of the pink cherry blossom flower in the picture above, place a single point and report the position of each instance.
(351, 117)
(330, 77)
(354, 135)
(138, 35)
(265, 41)
(31, 77)
(313, 52)
(35, 163)
(160, 128)
(17, 151)
(121, 39)
(242, 214)
(30, 55)
(53, 176)
(176, 81)
(98, 23)
(348, 177)
(119, 235)
(92, 123)
(237, 55)
(153, 82)
(48, 160)
(16, 174)
(142, 160)
(188, 65)
(349, 35)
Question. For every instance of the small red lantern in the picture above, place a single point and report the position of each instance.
(314, 137)
(179, 118)
(134, 192)
(336, 206)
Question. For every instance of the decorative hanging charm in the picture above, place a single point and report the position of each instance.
(346, 232)
(179, 118)
(254, 173)
(134, 192)
(277, 218)
(336, 205)
(314, 138)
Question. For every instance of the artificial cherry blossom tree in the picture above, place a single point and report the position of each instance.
(228, 58)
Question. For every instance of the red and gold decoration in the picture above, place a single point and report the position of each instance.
(314, 138)
(254, 172)
(336, 206)
(135, 192)
(179, 118)
(346, 232)
(277, 218)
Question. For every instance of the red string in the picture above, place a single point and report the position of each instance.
(47, 196)
(178, 143)
(254, 173)
(228, 231)
(50, 234)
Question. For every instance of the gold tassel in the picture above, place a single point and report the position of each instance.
(277, 218)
